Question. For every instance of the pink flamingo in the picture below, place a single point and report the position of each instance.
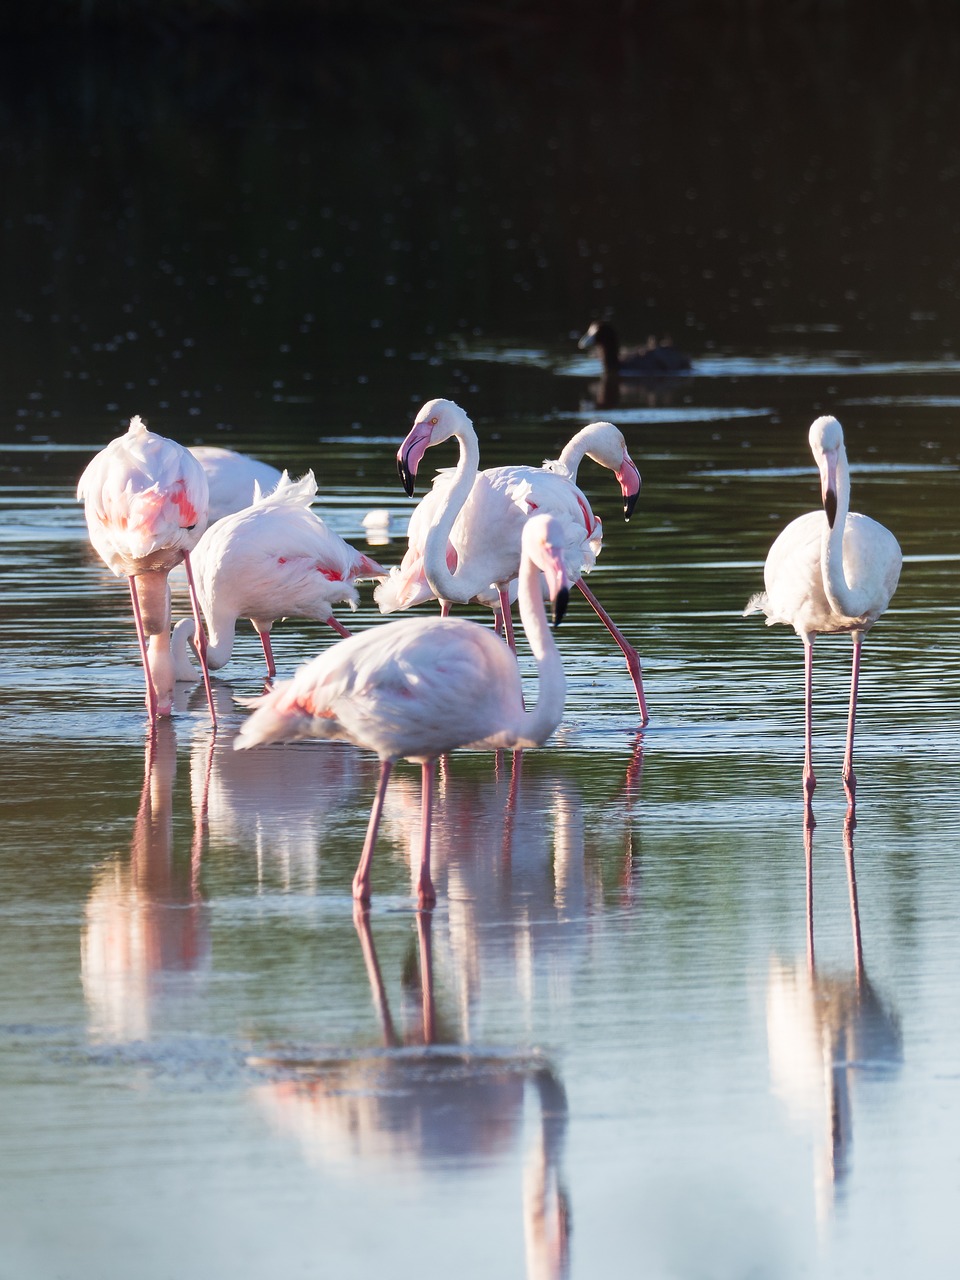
(828, 571)
(232, 479)
(464, 537)
(274, 559)
(145, 501)
(420, 688)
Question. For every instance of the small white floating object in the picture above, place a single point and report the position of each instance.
(377, 525)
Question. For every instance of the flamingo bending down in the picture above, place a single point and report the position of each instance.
(145, 502)
(232, 479)
(274, 559)
(464, 537)
(420, 688)
(828, 571)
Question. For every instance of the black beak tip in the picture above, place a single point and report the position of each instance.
(830, 507)
(560, 605)
(407, 477)
(628, 505)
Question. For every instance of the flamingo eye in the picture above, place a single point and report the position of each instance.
(434, 421)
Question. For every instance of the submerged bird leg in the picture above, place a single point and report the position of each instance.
(849, 777)
(808, 852)
(428, 1009)
(361, 922)
(142, 640)
(338, 627)
(809, 781)
(267, 651)
(425, 890)
(200, 637)
(361, 878)
(631, 655)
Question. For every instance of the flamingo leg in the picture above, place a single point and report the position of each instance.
(808, 851)
(361, 878)
(444, 608)
(200, 637)
(338, 627)
(142, 640)
(848, 826)
(267, 653)
(631, 655)
(428, 1010)
(361, 922)
(809, 781)
(425, 890)
(849, 777)
(507, 614)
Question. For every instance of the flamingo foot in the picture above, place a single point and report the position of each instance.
(426, 894)
(361, 889)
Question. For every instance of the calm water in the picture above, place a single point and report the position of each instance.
(606, 1051)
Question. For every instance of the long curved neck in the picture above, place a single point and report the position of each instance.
(573, 454)
(447, 585)
(535, 726)
(842, 599)
(219, 646)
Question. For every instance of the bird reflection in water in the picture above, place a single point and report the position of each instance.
(825, 1030)
(275, 805)
(425, 1103)
(524, 875)
(146, 926)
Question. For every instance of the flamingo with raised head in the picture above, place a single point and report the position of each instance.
(829, 571)
(145, 502)
(464, 537)
(233, 479)
(274, 559)
(416, 689)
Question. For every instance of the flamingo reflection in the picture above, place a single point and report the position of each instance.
(275, 804)
(146, 924)
(423, 1103)
(825, 1030)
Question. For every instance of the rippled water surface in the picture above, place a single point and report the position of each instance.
(611, 1049)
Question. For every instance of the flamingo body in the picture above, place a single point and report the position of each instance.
(464, 538)
(830, 571)
(145, 501)
(274, 559)
(233, 479)
(416, 689)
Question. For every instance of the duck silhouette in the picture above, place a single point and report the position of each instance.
(657, 358)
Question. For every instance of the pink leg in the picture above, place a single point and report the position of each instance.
(809, 781)
(361, 922)
(631, 655)
(361, 878)
(808, 851)
(268, 653)
(338, 627)
(848, 826)
(142, 640)
(425, 890)
(849, 777)
(424, 926)
(444, 608)
(200, 636)
(507, 614)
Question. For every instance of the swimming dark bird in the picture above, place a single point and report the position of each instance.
(658, 358)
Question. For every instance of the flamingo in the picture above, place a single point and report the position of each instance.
(420, 688)
(145, 502)
(464, 537)
(232, 479)
(828, 571)
(274, 559)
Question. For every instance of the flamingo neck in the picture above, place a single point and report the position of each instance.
(535, 726)
(573, 453)
(445, 584)
(843, 600)
(219, 645)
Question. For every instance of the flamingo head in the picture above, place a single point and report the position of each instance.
(543, 543)
(628, 477)
(600, 334)
(437, 421)
(826, 442)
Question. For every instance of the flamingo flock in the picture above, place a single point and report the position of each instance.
(418, 689)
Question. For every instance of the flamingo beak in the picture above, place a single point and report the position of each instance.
(587, 341)
(828, 486)
(410, 454)
(560, 601)
(629, 480)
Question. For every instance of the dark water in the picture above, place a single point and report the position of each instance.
(607, 1044)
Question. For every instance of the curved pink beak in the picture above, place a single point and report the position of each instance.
(629, 479)
(410, 455)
